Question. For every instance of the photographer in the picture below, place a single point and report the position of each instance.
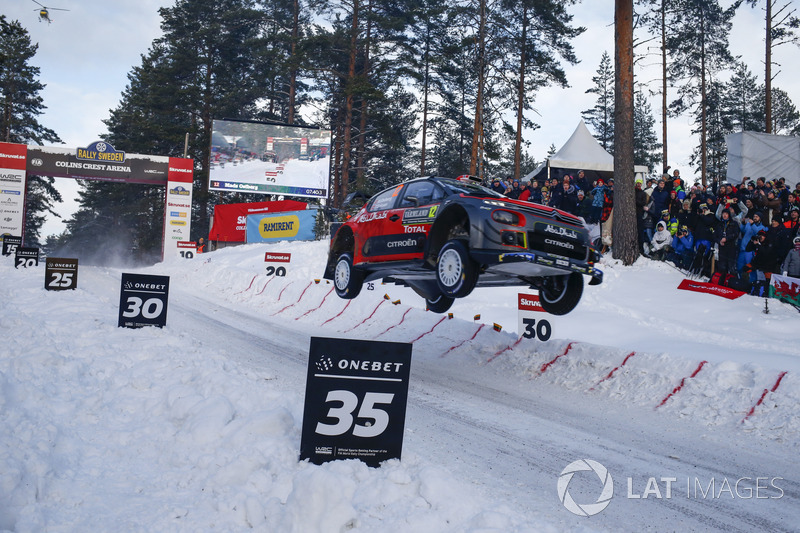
(683, 244)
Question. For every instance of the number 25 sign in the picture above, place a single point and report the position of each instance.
(355, 406)
(143, 300)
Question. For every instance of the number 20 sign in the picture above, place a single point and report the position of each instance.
(355, 405)
(143, 300)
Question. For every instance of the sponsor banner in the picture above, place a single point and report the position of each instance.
(710, 288)
(98, 161)
(249, 152)
(287, 226)
(785, 288)
(13, 156)
(60, 274)
(230, 221)
(533, 321)
(272, 257)
(355, 402)
(143, 300)
(186, 249)
(12, 188)
(26, 257)
(394, 245)
(178, 209)
(10, 244)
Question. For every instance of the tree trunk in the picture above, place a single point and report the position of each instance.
(521, 93)
(425, 85)
(664, 163)
(293, 60)
(477, 132)
(768, 71)
(348, 108)
(703, 102)
(624, 227)
(361, 148)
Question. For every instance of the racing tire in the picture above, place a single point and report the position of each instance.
(439, 304)
(456, 272)
(561, 294)
(347, 280)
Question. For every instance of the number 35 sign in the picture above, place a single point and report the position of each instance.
(143, 301)
(356, 394)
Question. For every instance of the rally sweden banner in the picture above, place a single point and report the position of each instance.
(785, 288)
(285, 226)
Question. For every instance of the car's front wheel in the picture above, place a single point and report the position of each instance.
(347, 280)
(439, 304)
(560, 294)
(456, 272)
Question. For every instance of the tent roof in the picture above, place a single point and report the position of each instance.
(582, 152)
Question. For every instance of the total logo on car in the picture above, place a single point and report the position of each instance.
(444, 237)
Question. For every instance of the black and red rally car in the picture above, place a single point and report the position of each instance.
(443, 237)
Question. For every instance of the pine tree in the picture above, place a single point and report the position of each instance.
(601, 116)
(646, 148)
(21, 107)
(742, 101)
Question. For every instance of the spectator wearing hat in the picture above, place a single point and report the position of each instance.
(532, 192)
(683, 246)
(749, 228)
(515, 191)
(792, 204)
(584, 207)
(660, 196)
(704, 229)
(581, 182)
(670, 221)
(726, 235)
(791, 264)
(778, 236)
(768, 203)
(661, 243)
(793, 223)
(764, 260)
(497, 187)
(598, 195)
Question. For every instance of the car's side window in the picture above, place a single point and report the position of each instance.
(384, 200)
(421, 193)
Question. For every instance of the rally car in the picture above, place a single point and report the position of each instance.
(443, 237)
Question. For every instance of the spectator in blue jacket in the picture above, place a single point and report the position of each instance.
(598, 194)
(683, 244)
(749, 229)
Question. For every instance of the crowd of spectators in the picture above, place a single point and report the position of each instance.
(748, 230)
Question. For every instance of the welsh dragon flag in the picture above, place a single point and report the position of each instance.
(785, 289)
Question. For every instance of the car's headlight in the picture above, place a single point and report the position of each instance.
(507, 217)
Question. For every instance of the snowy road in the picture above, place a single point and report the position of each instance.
(511, 436)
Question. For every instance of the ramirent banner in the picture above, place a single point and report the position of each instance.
(12, 188)
(178, 208)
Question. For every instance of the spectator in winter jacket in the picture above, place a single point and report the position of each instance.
(793, 223)
(704, 229)
(749, 229)
(660, 196)
(672, 223)
(598, 194)
(584, 207)
(683, 244)
(497, 186)
(532, 193)
(764, 258)
(568, 200)
(779, 237)
(515, 190)
(581, 182)
(791, 265)
(661, 244)
(769, 204)
(726, 236)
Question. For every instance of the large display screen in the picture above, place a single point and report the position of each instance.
(269, 159)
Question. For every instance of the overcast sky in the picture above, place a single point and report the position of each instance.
(86, 53)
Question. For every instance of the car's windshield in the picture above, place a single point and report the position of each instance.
(464, 187)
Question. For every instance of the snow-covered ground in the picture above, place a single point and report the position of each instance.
(196, 426)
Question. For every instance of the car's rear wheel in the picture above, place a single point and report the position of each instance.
(560, 294)
(440, 304)
(456, 272)
(347, 280)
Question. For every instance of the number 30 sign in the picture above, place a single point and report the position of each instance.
(356, 394)
(143, 300)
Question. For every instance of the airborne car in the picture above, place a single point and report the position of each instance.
(443, 237)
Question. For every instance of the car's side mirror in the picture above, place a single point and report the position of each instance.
(413, 199)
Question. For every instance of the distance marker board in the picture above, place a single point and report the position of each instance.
(143, 300)
(355, 405)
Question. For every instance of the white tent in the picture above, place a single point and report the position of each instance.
(755, 155)
(580, 152)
